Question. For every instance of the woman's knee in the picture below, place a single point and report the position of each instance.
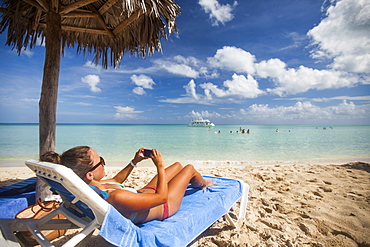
(177, 165)
(189, 168)
(175, 168)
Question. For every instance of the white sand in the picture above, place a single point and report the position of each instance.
(289, 205)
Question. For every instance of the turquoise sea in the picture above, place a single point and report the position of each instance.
(197, 145)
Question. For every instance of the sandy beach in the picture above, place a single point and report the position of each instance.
(289, 205)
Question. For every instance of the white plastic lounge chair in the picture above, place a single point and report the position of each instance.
(84, 208)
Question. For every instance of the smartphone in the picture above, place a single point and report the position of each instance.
(147, 152)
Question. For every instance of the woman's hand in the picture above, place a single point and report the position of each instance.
(157, 158)
(125, 172)
(138, 157)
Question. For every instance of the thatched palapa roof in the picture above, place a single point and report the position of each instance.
(107, 28)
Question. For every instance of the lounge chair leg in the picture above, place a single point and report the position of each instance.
(82, 235)
(243, 206)
(7, 238)
(85, 241)
(230, 220)
(243, 201)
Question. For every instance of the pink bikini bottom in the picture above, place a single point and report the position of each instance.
(166, 211)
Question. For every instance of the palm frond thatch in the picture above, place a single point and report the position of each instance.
(107, 28)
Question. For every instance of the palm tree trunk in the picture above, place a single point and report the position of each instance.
(49, 91)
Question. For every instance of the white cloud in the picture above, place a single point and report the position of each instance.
(91, 65)
(217, 12)
(233, 59)
(184, 100)
(296, 38)
(142, 81)
(136, 70)
(83, 104)
(287, 80)
(325, 99)
(203, 71)
(191, 61)
(190, 67)
(239, 86)
(359, 98)
(271, 68)
(344, 36)
(25, 52)
(182, 67)
(204, 114)
(92, 81)
(303, 110)
(31, 100)
(191, 96)
(242, 86)
(125, 112)
(28, 53)
(139, 91)
(293, 81)
(190, 90)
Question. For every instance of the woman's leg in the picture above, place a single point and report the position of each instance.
(178, 184)
(176, 190)
(171, 171)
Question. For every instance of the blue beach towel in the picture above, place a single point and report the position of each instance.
(27, 185)
(199, 209)
(17, 196)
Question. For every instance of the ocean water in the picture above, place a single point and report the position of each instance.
(196, 145)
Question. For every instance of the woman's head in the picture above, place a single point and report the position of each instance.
(85, 162)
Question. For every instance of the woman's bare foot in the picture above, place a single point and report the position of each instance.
(208, 184)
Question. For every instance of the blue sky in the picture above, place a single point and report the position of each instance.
(233, 62)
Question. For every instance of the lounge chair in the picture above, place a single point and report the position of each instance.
(84, 208)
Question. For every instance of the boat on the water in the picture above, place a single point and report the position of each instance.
(200, 122)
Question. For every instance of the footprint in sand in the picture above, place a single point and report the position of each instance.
(326, 189)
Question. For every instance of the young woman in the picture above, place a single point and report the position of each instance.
(158, 200)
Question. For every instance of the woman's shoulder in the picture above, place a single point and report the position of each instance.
(101, 193)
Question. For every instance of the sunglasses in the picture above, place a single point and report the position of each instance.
(102, 162)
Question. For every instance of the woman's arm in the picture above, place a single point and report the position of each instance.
(128, 202)
(162, 186)
(125, 172)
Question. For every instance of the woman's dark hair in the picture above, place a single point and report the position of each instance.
(78, 159)
(51, 157)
